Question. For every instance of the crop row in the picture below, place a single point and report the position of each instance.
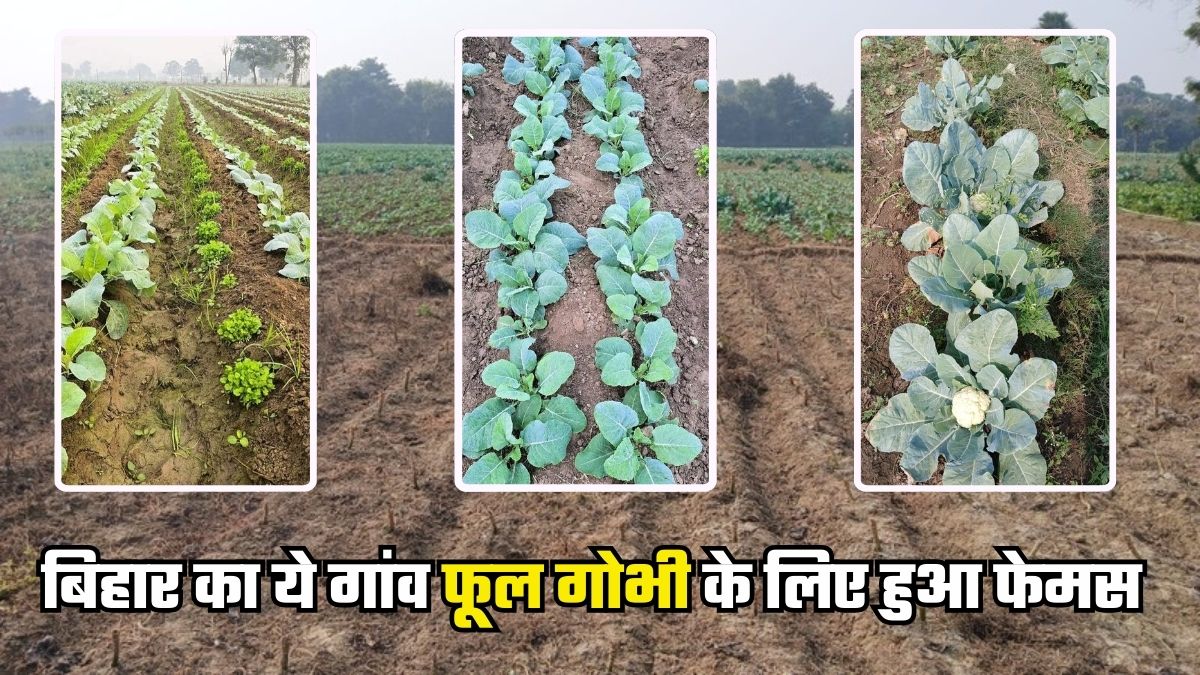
(527, 423)
(281, 111)
(254, 123)
(1083, 64)
(73, 136)
(109, 250)
(635, 250)
(974, 402)
(291, 232)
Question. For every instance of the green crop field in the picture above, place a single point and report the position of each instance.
(26, 185)
(373, 188)
(1156, 183)
(802, 192)
(370, 188)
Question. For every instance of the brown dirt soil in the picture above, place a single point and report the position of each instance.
(785, 388)
(165, 372)
(890, 297)
(675, 123)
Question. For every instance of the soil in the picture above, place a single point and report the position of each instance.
(1078, 228)
(785, 401)
(267, 113)
(675, 123)
(164, 374)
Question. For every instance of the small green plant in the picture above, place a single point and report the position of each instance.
(212, 254)
(249, 381)
(294, 166)
(238, 437)
(135, 474)
(701, 155)
(229, 281)
(240, 326)
(210, 210)
(143, 432)
(207, 230)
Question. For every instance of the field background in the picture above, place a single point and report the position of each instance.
(785, 388)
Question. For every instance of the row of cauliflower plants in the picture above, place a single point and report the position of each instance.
(972, 405)
(109, 250)
(527, 424)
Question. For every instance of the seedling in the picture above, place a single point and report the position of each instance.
(628, 450)
(240, 326)
(212, 254)
(249, 381)
(238, 437)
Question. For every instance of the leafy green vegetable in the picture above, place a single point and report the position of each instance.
(240, 326)
(249, 381)
(627, 450)
(527, 420)
(975, 405)
(953, 46)
(958, 175)
(987, 269)
(1085, 62)
(951, 98)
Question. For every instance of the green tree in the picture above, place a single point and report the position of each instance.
(1054, 21)
(296, 48)
(193, 69)
(257, 51)
(173, 69)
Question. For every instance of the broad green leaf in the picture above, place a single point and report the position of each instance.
(502, 433)
(88, 367)
(894, 426)
(607, 243)
(946, 297)
(655, 292)
(551, 286)
(928, 396)
(924, 267)
(958, 264)
(974, 470)
(546, 442)
(77, 339)
(953, 373)
(932, 440)
(488, 470)
(675, 445)
(919, 237)
(912, 350)
(591, 459)
(552, 371)
(652, 403)
(1026, 466)
(564, 409)
(661, 370)
(1014, 432)
(657, 339)
(922, 173)
(614, 280)
(502, 374)
(486, 230)
(607, 347)
(527, 411)
(478, 425)
(654, 472)
(621, 306)
(520, 475)
(1022, 147)
(618, 371)
(614, 420)
(992, 381)
(528, 221)
(72, 397)
(116, 323)
(1031, 386)
(84, 303)
(623, 463)
(1000, 235)
(654, 239)
(989, 339)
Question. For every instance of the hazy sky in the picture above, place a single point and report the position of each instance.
(122, 53)
(812, 40)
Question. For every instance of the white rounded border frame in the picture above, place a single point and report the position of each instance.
(856, 432)
(712, 262)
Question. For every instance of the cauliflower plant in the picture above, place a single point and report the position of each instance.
(975, 405)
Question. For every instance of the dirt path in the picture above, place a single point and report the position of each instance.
(786, 464)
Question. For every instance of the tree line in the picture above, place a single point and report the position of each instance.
(261, 58)
(1150, 122)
